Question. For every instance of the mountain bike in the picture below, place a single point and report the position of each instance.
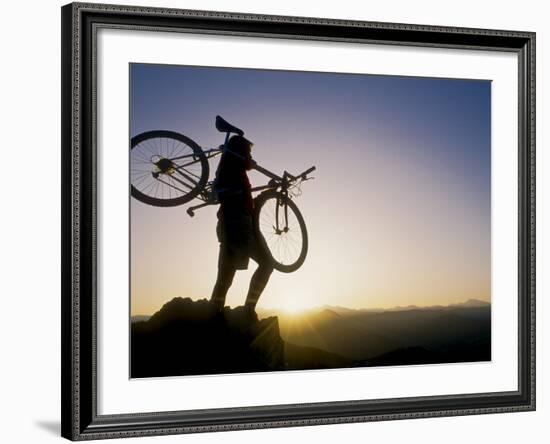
(169, 169)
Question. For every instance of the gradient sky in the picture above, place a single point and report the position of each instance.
(399, 212)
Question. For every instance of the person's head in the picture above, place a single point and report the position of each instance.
(241, 146)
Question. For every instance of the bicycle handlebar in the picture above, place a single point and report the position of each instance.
(306, 172)
(302, 176)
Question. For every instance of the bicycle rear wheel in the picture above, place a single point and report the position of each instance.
(166, 168)
(281, 230)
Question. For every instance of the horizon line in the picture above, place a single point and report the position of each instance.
(328, 306)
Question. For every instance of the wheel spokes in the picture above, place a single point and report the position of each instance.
(153, 173)
(283, 238)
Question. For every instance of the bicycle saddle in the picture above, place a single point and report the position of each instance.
(225, 127)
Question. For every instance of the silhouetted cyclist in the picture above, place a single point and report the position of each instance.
(235, 229)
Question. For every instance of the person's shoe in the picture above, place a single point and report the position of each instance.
(217, 308)
(250, 313)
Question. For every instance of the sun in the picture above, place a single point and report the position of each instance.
(294, 306)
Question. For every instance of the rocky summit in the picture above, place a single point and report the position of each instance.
(187, 337)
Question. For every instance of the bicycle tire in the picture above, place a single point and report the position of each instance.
(197, 153)
(261, 202)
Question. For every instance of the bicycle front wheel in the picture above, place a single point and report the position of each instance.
(166, 168)
(281, 230)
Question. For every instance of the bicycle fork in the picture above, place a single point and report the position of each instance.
(281, 202)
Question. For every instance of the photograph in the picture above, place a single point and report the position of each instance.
(288, 220)
(279, 221)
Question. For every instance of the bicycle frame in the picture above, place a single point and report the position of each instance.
(208, 197)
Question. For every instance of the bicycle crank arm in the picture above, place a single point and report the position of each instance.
(191, 210)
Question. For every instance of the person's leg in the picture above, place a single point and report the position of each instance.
(226, 273)
(259, 279)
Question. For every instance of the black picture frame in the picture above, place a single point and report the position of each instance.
(79, 209)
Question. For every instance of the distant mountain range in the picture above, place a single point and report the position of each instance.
(460, 333)
(346, 310)
(185, 338)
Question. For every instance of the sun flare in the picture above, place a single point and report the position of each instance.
(295, 306)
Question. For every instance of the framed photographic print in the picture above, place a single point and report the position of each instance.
(279, 221)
